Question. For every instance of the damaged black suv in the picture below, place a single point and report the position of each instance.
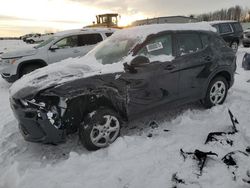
(135, 71)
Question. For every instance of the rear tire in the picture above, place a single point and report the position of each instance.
(100, 128)
(216, 92)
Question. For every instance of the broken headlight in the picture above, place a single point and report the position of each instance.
(52, 108)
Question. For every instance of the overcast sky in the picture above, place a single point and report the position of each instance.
(18, 17)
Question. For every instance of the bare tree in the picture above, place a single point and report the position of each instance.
(233, 13)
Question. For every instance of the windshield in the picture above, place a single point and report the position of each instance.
(44, 43)
(113, 49)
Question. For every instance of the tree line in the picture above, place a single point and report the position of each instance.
(233, 13)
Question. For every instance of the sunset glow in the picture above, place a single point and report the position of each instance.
(49, 15)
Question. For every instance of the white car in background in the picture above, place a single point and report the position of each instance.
(60, 46)
(38, 38)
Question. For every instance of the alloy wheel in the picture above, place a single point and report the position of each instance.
(105, 133)
(217, 92)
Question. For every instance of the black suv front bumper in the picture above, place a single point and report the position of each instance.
(35, 125)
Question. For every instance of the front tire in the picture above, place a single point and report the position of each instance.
(100, 129)
(216, 92)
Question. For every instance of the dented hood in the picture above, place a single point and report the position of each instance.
(60, 73)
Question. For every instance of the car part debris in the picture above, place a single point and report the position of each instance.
(224, 137)
(248, 176)
(231, 162)
(246, 62)
(176, 180)
(179, 182)
(200, 156)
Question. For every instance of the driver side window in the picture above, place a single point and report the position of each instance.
(161, 45)
(67, 42)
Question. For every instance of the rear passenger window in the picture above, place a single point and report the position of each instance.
(89, 39)
(161, 45)
(188, 43)
(225, 28)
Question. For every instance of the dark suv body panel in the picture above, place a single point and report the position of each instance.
(150, 87)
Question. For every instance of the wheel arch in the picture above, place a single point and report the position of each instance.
(224, 73)
(79, 107)
(24, 64)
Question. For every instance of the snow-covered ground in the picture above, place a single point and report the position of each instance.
(146, 154)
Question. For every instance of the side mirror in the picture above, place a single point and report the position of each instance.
(139, 60)
(54, 47)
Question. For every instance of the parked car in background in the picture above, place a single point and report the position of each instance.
(136, 71)
(38, 38)
(24, 37)
(246, 38)
(62, 45)
(230, 31)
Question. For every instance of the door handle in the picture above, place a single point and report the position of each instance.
(169, 67)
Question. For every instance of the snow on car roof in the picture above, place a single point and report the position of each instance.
(84, 30)
(221, 21)
(145, 30)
